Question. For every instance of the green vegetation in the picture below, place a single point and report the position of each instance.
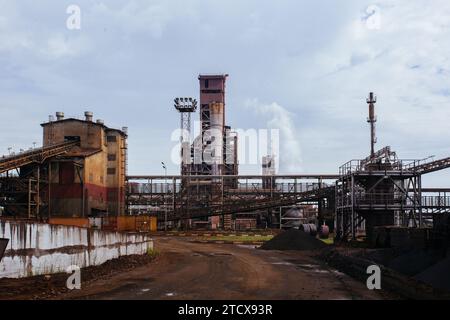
(152, 252)
(240, 238)
(330, 240)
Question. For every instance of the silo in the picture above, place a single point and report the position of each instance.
(217, 123)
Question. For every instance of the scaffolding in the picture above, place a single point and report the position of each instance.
(372, 191)
(24, 181)
(212, 195)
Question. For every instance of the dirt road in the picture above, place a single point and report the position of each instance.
(186, 270)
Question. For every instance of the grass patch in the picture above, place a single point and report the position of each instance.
(240, 238)
(328, 241)
(153, 253)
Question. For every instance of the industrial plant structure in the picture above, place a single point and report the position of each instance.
(216, 138)
(382, 192)
(79, 172)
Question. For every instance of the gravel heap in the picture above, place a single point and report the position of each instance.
(293, 239)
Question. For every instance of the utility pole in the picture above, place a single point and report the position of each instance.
(372, 119)
(164, 196)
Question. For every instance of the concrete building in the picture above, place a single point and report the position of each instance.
(89, 180)
(216, 138)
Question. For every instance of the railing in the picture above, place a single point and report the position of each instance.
(392, 199)
(241, 187)
(361, 165)
(415, 166)
(436, 201)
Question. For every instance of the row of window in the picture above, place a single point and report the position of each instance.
(77, 138)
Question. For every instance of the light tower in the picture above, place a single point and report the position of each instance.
(185, 106)
(372, 119)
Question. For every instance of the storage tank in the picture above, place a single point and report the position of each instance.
(295, 216)
(309, 228)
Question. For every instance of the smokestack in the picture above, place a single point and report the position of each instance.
(59, 116)
(125, 130)
(372, 119)
(89, 115)
(100, 121)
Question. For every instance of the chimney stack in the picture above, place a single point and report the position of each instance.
(89, 115)
(59, 116)
(371, 100)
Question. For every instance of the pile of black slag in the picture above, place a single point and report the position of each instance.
(293, 239)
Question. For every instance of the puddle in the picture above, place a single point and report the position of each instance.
(314, 268)
(248, 246)
(338, 273)
(283, 263)
(320, 271)
(308, 266)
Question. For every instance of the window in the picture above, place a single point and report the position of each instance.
(71, 138)
(206, 83)
(111, 171)
(111, 138)
(112, 157)
(91, 177)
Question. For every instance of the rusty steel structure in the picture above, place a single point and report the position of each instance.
(82, 170)
(34, 156)
(79, 171)
(386, 191)
(185, 106)
(24, 179)
(248, 193)
(382, 190)
(372, 119)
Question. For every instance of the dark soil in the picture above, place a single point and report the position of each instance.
(438, 275)
(413, 262)
(408, 262)
(50, 286)
(293, 239)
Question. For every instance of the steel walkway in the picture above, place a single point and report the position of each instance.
(37, 155)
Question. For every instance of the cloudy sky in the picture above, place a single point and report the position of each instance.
(304, 67)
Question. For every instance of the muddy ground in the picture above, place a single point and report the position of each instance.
(53, 286)
(189, 270)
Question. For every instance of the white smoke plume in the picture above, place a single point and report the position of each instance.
(278, 117)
